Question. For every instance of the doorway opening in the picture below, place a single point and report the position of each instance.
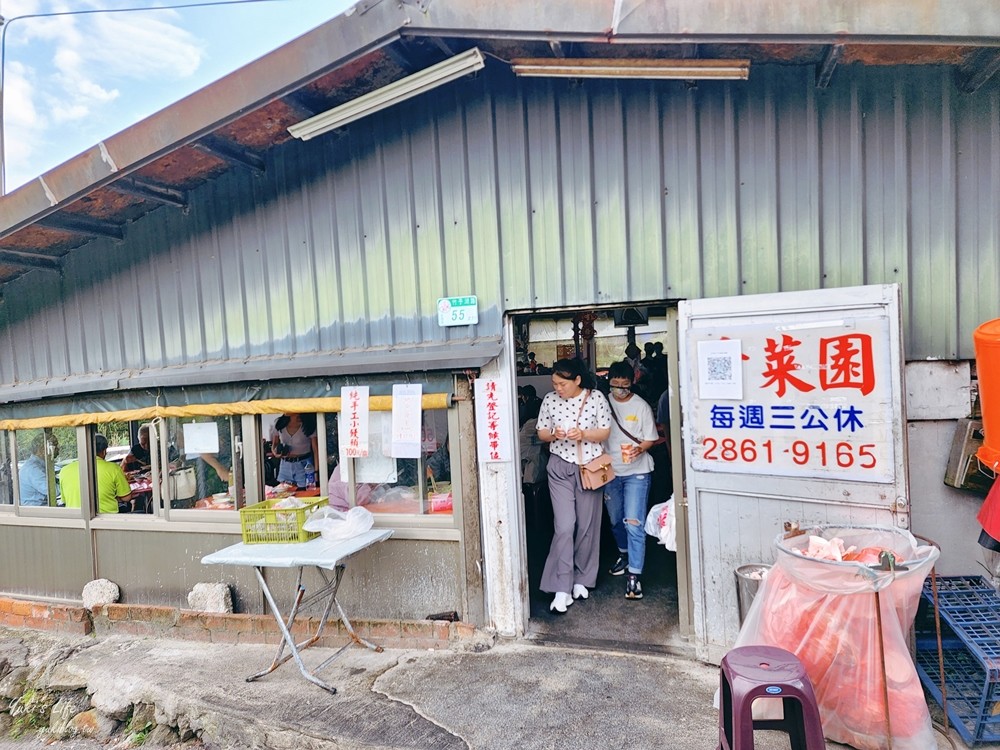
(607, 619)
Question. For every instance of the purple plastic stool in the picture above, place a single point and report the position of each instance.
(750, 672)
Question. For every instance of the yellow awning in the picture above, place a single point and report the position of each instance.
(265, 406)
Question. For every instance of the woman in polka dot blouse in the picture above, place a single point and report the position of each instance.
(575, 438)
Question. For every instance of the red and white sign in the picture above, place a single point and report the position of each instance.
(493, 421)
(354, 421)
(811, 399)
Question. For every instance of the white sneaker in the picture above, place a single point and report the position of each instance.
(561, 601)
(580, 591)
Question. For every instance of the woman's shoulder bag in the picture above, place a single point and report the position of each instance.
(598, 472)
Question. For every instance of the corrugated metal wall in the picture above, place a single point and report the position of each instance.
(161, 567)
(548, 193)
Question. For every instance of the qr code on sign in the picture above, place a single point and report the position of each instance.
(720, 369)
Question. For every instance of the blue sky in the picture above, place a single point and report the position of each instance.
(72, 81)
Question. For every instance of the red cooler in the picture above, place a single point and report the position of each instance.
(986, 339)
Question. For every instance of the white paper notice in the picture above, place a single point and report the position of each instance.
(377, 467)
(201, 437)
(406, 420)
(354, 421)
(493, 420)
(720, 369)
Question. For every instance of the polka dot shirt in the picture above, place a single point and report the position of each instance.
(559, 412)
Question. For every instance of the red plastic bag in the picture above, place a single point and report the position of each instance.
(989, 514)
(824, 612)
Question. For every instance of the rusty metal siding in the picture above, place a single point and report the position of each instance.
(543, 194)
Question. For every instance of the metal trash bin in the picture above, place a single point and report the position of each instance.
(748, 578)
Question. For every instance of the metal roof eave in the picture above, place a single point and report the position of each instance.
(456, 355)
(965, 22)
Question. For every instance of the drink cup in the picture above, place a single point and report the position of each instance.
(627, 452)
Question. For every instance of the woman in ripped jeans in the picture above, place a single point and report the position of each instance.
(633, 433)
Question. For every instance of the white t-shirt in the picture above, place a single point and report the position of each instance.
(299, 443)
(636, 417)
(563, 412)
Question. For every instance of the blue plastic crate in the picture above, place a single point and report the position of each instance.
(970, 631)
(960, 592)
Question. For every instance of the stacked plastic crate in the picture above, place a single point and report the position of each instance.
(970, 632)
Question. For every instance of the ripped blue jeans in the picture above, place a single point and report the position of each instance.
(626, 498)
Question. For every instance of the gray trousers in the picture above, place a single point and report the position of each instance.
(574, 554)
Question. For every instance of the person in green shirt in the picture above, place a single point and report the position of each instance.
(112, 486)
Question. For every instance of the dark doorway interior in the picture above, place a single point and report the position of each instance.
(606, 619)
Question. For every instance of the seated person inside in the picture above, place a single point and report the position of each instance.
(138, 456)
(113, 491)
(33, 475)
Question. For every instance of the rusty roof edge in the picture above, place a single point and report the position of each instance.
(315, 53)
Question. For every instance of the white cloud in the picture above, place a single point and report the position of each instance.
(79, 67)
(21, 111)
(93, 53)
(24, 125)
(14, 8)
(76, 95)
(148, 46)
(73, 80)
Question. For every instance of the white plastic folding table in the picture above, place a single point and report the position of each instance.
(329, 558)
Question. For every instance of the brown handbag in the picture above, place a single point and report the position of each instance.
(598, 472)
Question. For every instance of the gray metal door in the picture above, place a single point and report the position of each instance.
(792, 410)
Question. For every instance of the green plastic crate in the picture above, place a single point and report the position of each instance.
(264, 524)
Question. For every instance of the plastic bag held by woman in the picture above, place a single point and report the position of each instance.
(335, 525)
(823, 611)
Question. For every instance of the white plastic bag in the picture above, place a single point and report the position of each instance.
(662, 523)
(335, 525)
(653, 520)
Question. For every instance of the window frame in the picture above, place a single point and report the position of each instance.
(438, 527)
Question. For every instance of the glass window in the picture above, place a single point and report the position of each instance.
(114, 494)
(126, 456)
(294, 445)
(200, 463)
(384, 484)
(42, 454)
(271, 462)
(201, 471)
(6, 462)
